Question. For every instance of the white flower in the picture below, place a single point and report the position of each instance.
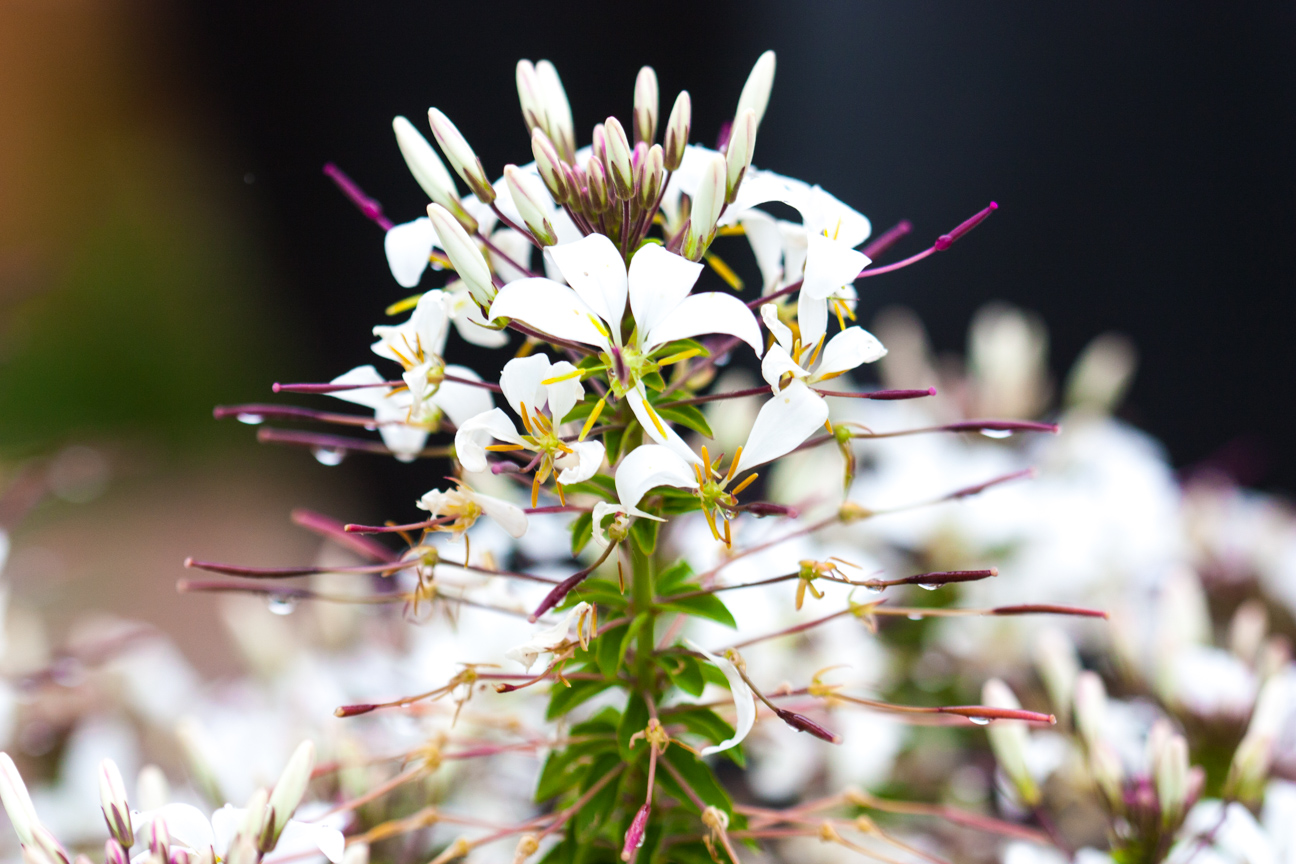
(815, 362)
(530, 384)
(590, 312)
(463, 506)
(744, 701)
(299, 840)
(550, 639)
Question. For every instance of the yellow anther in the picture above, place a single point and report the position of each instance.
(706, 460)
(526, 421)
(561, 498)
(818, 347)
(598, 325)
(682, 355)
(503, 448)
(724, 270)
(403, 305)
(750, 479)
(575, 373)
(652, 415)
(535, 489)
(731, 231)
(733, 465)
(594, 415)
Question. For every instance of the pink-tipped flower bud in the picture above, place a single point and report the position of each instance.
(114, 853)
(598, 146)
(289, 790)
(802, 723)
(597, 198)
(756, 92)
(1171, 775)
(530, 96)
(461, 156)
(17, 803)
(464, 255)
(652, 171)
(646, 103)
(1253, 759)
(549, 165)
(159, 839)
(49, 846)
(562, 131)
(1090, 708)
(531, 202)
(634, 837)
(619, 163)
(738, 156)
(707, 206)
(1058, 666)
(677, 130)
(1009, 740)
(181, 855)
(429, 171)
(112, 798)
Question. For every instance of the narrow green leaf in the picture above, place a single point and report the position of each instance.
(685, 673)
(688, 415)
(607, 650)
(562, 698)
(644, 533)
(582, 529)
(633, 720)
(670, 580)
(701, 605)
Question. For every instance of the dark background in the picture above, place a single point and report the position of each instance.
(1142, 155)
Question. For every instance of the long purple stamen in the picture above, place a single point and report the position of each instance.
(368, 206)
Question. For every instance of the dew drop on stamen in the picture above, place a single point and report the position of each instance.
(980, 721)
(914, 616)
(997, 433)
(281, 605)
(328, 455)
(251, 419)
(928, 586)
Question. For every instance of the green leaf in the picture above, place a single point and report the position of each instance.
(598, 591)
(702, 605)
(591, 816)
(607, 651)
(562, 698)
(708, 724)
(673, 578)
(613, 440)
(644, 534)
(653, 380)
(639, 622)
(563, 768)
(699, 776)
(681, 345)
(633, 720)
(600, 485)
(687, 415)
(685, 672)
(582, 529)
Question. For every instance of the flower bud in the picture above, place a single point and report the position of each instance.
(1057, 665)
(530, 96)
(550, 166)
(598, 146)
(620, 168)
(646, 101)
(242, 850)
(112, 798)
(180, 855)
(530, 201)
(254, 825)
(289, 790)
(677, 130)
(356, 853)
(1108, 775)
(652, 176)
(1090, 708)
(597, 190)
(634, 837)
(159, 839)
(1008, 740)
(557, 110)
(1171, 775)
(464, 255)
(17, 803)
(802, 723)
(461, 156)
(1248, 629)
(1254, 756)
(114, 853)
(527, 846)
(429, 171)
(49, 845)
(756, 92)
(738, 155)
(706, 208)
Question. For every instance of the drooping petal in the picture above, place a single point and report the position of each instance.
(461, 402)
(225, 824)
(826, 215)
(849, 348)
(782, 424)
(477, 432)
(594, 269)
(520, 380)
(647, 467)
(830, 264)
(370, 397)
(602, 510)
(659, 281)
(301, 839)
(509, 516)
(185, 823)
(776, 363)
(563, 395)
(404, 440)
(408, 246)
(812, 318)
(711, 312)
(766, 241)
(655, 426)
(550, 308)
(744, 701)
(781, 332)
(582, 464)
(468, 320)
(546, 640)
(431, 322)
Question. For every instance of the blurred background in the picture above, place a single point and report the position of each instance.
(168, 242)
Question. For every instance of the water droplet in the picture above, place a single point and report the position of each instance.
(281, 605)
(874, 589)
(928, 586)
(980, 721)
(914, 616)
(328, 455)
(251, 419)
(997, 433)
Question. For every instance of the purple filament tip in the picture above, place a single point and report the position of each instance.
(947, 240)
(368, 206)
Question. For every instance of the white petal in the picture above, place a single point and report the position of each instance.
(520, 380)
(225, 824)
(812, 317)
(184, 822)
(547, 639)
(370, 397)
(468, 319)
(550, 308)
(516, 257)
(767, 246)
(509, 516)
(405, 441)
(776, 363)
(477, 432)
(782, 333)
(830, 264)
(782, 424)
(408, 246)
(584, 462)
(744, 701)
(639, 405)
(301, 839)
(848, 349)
(462, 401)
(593, 267)
(824, 214)
(602, 510)
(711, 312)
(431, 322)
(659, 281)
(563, 395)
(648, 467)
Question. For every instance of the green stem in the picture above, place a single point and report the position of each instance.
(641, 580)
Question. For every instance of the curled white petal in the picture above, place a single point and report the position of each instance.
(830, 264)
(563, 395)
(509, 516)
(551, 308)
(582, 463)
(520, 380)
(647, 467)
(370, 397)
(602, 510)
(781, 332)
(659, 282)
(744, 701)
(408, 247)
(711, 312)
(546, 640)
(851, 347)
(478, 432)
(785, 421)
(595, 270)
(644, 413)
(812, 317)
(776, 363)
